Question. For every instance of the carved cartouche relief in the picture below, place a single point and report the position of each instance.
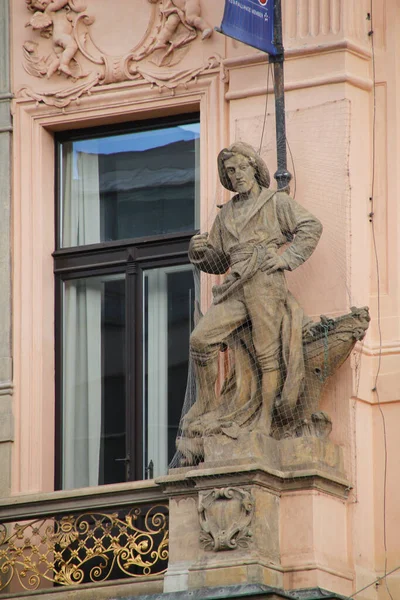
(225, 516)
(74, 55)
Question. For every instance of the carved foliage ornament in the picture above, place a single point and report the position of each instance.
(73, 54)
(225, 516)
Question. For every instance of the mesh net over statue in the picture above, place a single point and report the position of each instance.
(279, 359)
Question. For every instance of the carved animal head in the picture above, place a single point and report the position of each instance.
(327, 344)
(355, 323)
(351, 326)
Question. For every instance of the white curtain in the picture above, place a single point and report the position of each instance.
(157, 369)
(82, 392)
(157, 365)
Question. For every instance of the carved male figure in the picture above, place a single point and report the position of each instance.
(181, 11)
(246, 237)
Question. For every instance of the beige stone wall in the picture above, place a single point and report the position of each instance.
(329, 100)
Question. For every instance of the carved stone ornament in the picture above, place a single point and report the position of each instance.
(225, 516)
(62, 45)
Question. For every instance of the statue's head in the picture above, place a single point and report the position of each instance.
(240, 152)
(40, 5)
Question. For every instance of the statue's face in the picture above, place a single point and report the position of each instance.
(241, 173)
(40, 4)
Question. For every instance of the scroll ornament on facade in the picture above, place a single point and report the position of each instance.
(225, 516)
(74, 55)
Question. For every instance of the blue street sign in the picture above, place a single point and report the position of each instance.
(251, 22)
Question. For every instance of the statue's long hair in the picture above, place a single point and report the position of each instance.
(255, 160)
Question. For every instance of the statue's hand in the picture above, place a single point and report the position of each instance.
(198, 244)
(272, 263)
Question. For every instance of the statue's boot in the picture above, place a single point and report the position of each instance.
(270, 382)
(206, 379)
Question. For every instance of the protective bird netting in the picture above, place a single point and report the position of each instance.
(262, 359)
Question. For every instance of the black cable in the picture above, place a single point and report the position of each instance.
(376, 257)
(286, 141)
(266, 107)
(377, 580)
(294, 168)
(372, 220)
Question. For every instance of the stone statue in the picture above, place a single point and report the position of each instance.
(54, 22)
(281, 358)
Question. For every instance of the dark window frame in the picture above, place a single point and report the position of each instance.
(130, 257)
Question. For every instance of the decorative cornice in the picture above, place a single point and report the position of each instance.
(311, 566)
(384, 349)
(181, 481)
(358, 82)
(293, 53)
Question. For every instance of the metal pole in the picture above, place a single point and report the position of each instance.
(282, 175)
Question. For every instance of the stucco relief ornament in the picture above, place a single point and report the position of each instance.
(55, 19)
(181, 19)
(225, 516)
(172, 26)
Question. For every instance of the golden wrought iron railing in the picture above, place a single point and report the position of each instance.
(64, 539)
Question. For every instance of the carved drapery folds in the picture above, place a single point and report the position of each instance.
(225, 516)
(70, 51)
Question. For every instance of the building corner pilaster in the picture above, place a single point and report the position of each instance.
(6, 415)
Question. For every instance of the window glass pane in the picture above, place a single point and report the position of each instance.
(168, 316)
(93, 381)
(130, 185)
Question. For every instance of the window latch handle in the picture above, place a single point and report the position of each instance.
(150, 470)
(126, 459)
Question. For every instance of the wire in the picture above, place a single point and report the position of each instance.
(376, 257)
(266, 106)
(294, 168)
(377, 580)
(291, 156)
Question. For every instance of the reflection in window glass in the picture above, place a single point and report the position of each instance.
(130, 185)
(93, 381)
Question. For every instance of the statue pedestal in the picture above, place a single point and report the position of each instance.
(287, 455)
(259, 511)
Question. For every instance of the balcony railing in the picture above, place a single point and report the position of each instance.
(83, 537)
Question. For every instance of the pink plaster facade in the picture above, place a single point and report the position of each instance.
(326, 541)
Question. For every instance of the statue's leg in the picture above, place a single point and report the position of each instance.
(213, 328)
(270, 382)
(266, 314)
(165, 35)
(194, 18)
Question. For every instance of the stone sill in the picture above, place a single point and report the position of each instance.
(28, 506)
(254, 591)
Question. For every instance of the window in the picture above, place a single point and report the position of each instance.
(128, 203)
